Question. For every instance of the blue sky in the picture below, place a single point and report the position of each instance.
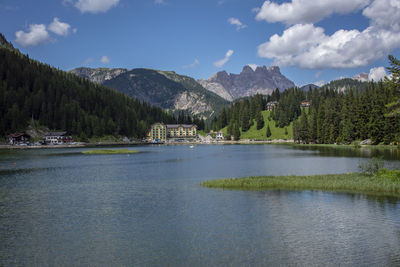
(312, 41)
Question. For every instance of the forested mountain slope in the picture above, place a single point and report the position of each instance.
(33, 91)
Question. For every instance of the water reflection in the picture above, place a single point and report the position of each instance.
(64, 208)
(351, 151)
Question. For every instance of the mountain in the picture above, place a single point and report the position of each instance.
(164, 89)
(343, 85)
(4, 43)
(249, 82)
(307, 87)
(35, 93)
(99, 75)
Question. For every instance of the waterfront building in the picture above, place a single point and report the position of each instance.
(18, 138)
(57, 138)
(161, 132)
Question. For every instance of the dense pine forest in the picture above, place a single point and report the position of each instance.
(334, 116)
(34, 92)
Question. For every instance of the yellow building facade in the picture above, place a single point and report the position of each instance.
(162, 132)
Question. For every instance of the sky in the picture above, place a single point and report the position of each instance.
(312, 41)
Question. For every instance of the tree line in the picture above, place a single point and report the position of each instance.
(336, 117)
(32, 91)
(363, 111)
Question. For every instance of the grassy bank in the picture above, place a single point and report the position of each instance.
(109, 151)
(276, 132)
(383, 183)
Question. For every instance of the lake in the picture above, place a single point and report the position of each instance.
(59, 207)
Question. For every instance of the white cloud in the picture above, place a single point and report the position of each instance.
(223, 61)
(307, 46)
(95, 6)
(59, 28)
(37, 35)
(74, 30)
(239, 25)
(384, 14)
(377, 74)
(320, 83)
(159, 2)
(253, 66)
(105, 60)
(194, 64)
(307, 11)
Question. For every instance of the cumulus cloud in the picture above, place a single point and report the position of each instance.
(59, 28)
(307, 11)
(95, 6)
(377, 74)
(220, 63)
(105, 60)
(307, 46)
(194, 64)
(384, 14)
(239, 25)
(36, 35)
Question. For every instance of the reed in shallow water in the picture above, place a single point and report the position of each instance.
(383, 183)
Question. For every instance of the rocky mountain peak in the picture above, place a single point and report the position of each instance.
(99, 75)
(247, 69)
(262, 80)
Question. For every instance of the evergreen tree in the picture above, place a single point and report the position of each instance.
(268, 131)
(245, 118)
(259, 121)
(236, 132)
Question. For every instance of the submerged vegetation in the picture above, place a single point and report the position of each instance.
(109, 151)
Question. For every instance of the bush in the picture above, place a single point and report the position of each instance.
(372, 166)
(393, 175)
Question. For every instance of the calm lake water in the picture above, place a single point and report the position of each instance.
(62, 208)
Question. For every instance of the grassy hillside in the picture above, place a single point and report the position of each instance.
(277, 133)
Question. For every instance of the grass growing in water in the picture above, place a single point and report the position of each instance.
(109, 151)
(383, 183)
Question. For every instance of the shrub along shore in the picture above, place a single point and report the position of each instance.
(385, 182)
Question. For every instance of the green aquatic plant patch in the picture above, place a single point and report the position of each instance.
(383, 183)
(109, 151)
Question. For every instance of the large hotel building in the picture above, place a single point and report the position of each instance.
(162, 132)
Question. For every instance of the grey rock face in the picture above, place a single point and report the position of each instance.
(217, 88)
(99, 75)
(262, 80)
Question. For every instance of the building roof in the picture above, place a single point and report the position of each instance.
(172, 126)
(15, 135)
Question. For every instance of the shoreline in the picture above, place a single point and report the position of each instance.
(219, 142)
(349, 183)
